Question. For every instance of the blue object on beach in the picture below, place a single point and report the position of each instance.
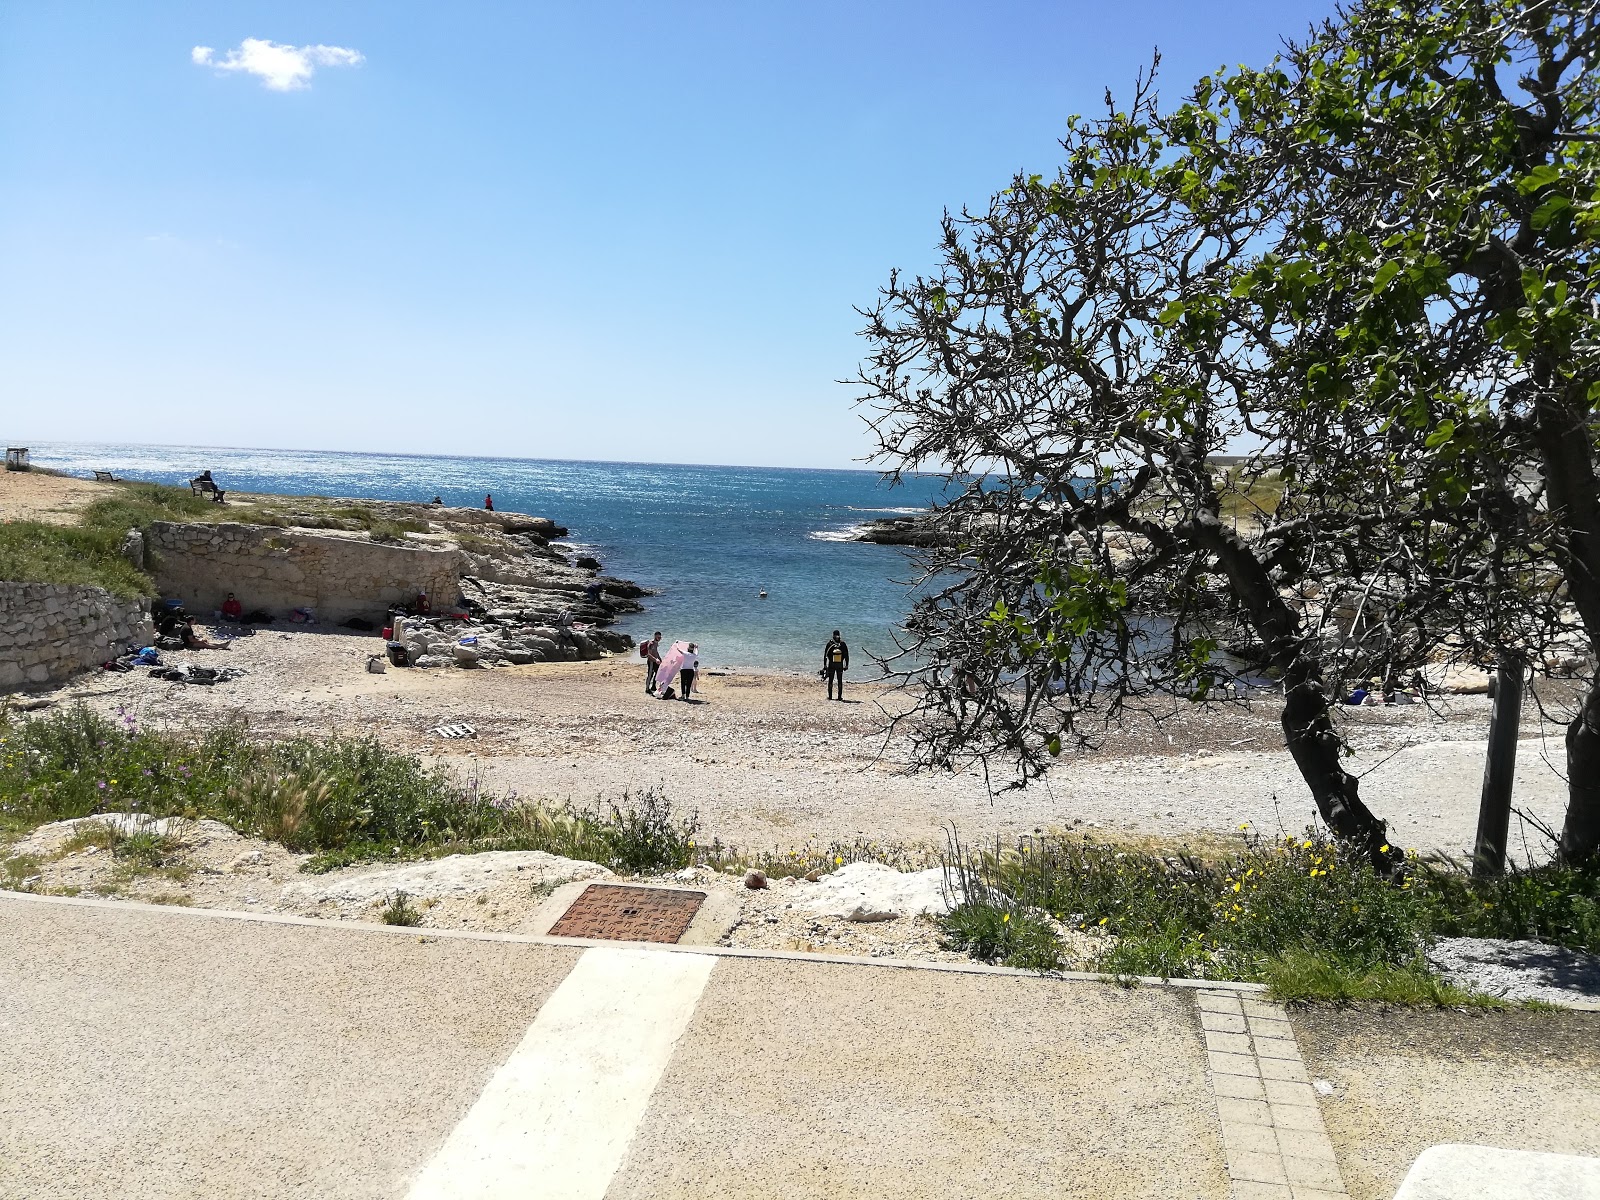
(469, 641)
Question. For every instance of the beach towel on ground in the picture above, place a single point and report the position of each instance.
(671, 663)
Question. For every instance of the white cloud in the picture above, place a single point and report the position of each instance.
(281, 68)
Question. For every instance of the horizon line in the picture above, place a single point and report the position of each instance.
(608, 462)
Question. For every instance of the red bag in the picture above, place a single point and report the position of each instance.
(644, 649)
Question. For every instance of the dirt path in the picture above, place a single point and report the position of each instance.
(53, 499)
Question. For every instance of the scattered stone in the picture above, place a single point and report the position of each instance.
(1322, 1087)
(755, 880)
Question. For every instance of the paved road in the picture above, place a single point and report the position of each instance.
(152, 1053)
(176, 1053)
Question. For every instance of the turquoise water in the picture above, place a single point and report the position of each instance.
(707, 539)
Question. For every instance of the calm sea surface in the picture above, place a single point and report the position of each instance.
(707, 539)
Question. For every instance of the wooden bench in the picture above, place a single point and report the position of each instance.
(104, 477)
(204, 487)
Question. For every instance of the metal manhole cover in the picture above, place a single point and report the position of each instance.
(629, 914)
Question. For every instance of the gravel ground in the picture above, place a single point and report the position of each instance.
(42, 496)
(768, 763)
(1406, 1080)
(149, 1057)
(820, 1081)
(498, 892)
(1519, 970)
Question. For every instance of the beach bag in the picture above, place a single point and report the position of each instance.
(644, 649)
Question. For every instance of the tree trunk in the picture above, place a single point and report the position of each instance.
(1318, 750)
(1574, 497)
(1499, 768)
(1580, 832)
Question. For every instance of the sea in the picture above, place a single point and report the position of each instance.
(706, 540)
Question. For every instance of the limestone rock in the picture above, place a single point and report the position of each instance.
(873, 892)
(454, 875)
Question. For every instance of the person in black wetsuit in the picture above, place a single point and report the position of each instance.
(835, 662)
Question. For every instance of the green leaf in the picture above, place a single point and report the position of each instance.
(1552, 207)
(1537, 178)
(1385, 276)
(1442, 433)
(1171, 312)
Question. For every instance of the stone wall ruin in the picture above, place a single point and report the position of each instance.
(49, 631)
(278, 570)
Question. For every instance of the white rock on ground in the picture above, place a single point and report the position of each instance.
(1520, 970)
(873, 892)
(440, 878)
(47, 839)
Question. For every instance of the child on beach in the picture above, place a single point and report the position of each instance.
(691, 663)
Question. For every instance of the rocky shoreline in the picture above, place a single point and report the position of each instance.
(902, 531)
(523, 598)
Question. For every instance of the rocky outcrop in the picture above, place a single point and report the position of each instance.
(50, 632)
(903, 531)
(518, 629)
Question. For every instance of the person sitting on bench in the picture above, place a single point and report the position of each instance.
(203, 485)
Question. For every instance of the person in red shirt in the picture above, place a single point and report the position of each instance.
(232, 610)
(488, 503)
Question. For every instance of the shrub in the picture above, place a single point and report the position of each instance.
(1181, 915)
(400, 912)
(1554, 903)
(642, 835)
(342, 799)
(994, 934)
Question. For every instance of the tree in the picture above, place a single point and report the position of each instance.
(1086, 347)
(1440, 169)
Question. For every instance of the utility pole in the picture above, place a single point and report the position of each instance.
(1494, 806)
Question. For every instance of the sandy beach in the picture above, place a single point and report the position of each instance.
(768, 762)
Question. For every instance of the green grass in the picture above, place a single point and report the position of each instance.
(33, 552)
(15, 869)
(1306, 978)
(87, 553)
(341, 800)
(1301, 914)
(1551, 902)
(995, 934)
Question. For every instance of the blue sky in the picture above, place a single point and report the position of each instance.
(619, 231)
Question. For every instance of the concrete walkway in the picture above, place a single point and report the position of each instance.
(176, 1053)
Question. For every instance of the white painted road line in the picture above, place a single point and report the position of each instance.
(556, 1119)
